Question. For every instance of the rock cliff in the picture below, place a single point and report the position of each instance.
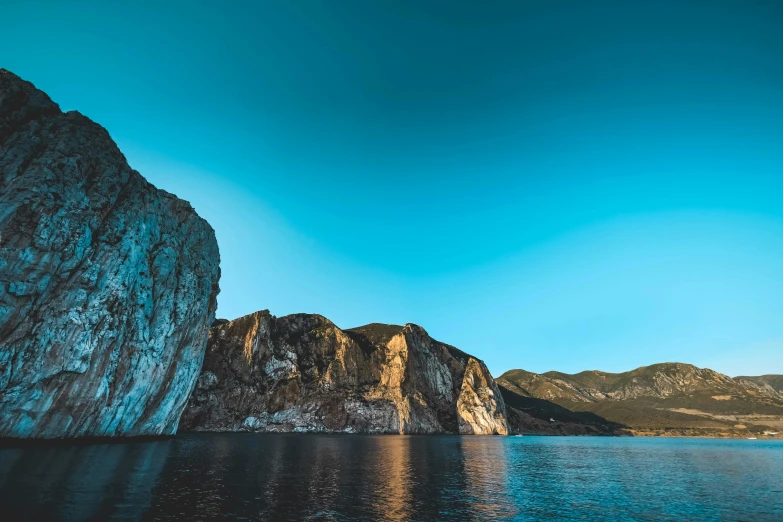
(107, 284)
(302, 373)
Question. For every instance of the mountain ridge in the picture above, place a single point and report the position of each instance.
(662, 398)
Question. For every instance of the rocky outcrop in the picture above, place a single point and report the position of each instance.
(302, 373)
(107, 284)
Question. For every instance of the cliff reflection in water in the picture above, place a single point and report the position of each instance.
(258, 476)
(296, 477)
(486, 481)
(80, 482)
(387, 477)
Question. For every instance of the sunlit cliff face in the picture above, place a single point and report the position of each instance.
(303, 373)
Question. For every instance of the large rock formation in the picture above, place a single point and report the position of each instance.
(661, 399)
(107, 284)
(303, 373)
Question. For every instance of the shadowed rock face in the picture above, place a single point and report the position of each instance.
(107, 284)
(303, 373)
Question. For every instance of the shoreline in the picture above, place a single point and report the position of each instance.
(11, 443)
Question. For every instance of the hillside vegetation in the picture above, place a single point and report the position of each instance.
(662, 399)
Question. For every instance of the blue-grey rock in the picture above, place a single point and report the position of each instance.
(108, 285)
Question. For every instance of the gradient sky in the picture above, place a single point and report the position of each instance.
(547, 185)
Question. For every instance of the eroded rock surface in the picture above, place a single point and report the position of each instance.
(302, 373)
(107, 285)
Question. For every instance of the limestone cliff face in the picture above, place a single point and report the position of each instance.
(303, 373)
(107, 284)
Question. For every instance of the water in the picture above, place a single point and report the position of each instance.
(349, 477)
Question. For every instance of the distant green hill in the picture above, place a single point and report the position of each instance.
(667, 398)
(528, 415)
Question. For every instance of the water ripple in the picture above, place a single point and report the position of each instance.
(394, 478)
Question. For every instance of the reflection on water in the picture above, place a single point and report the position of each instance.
(80, 482)
(389, 485)
(343, 477)
(484, 462)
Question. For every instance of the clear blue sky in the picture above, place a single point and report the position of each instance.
(561, 185)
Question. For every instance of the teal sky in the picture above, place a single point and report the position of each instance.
(547, 185)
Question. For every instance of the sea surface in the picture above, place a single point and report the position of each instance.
(355, 477)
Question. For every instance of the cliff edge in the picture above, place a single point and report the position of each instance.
(108, 285)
